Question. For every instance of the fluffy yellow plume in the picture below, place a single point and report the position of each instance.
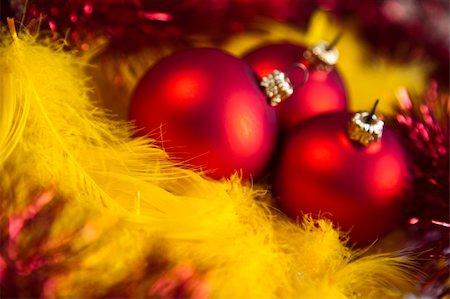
(132, 199)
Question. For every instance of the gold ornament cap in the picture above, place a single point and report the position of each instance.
(277, 85)
(365, 127)
(323, 56)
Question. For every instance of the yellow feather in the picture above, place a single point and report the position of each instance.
(131, 199)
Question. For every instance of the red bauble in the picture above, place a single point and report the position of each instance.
(321, 171)
(323, 92)
(206, 108)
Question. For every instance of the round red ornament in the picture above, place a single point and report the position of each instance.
(206, 107)
(359, 185)
(323, 90)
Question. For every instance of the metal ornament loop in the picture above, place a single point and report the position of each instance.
(305, 73)
(277, 85)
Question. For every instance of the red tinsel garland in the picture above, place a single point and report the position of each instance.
(131, 24)
(423, 124)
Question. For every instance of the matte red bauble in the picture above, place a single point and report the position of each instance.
(322, 171)
(206, 108)
(323, 91)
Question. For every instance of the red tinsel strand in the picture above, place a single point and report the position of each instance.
(28, 257)
(32, 259)
(423, 124)
(182, 281)
(405, 30)
(431, 242)
(132, 24)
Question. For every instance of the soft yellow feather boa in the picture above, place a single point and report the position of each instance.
(131, 199)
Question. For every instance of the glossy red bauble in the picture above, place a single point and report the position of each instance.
(321, 171)
(323, 92)
(206, 108)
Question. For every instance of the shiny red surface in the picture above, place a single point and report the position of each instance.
(361, 188)
(324, 92)
(205, 107)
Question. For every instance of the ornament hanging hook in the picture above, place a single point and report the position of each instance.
(369, 117)
(335, 41)
(305, 73)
